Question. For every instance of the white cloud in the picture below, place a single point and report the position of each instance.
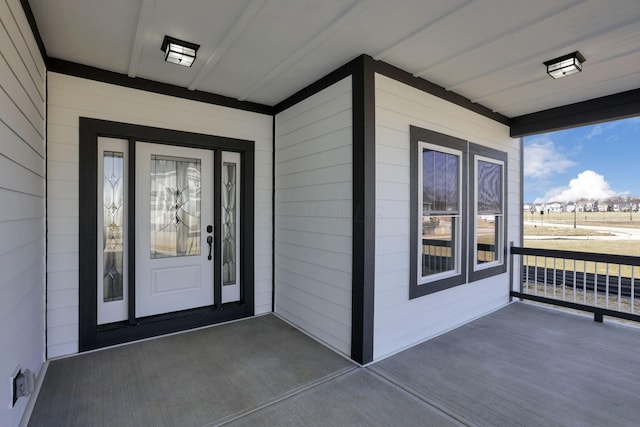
(542, 159)
(597, 130)
(588, 185)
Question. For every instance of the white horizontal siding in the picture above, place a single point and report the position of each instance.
(314, 199)
(398, 321)
(70, 98)
(22, 204)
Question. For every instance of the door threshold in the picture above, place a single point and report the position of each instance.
(112, 334)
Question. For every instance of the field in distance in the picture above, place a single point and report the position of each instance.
(555, 231)
(603, 219)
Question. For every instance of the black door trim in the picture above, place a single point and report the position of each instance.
(92, 336)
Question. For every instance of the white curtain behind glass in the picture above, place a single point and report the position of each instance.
(175, 206)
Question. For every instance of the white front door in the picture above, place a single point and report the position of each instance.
(174, 223)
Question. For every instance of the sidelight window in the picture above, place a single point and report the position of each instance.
(229, 223)
(111, 230)
(113, 226)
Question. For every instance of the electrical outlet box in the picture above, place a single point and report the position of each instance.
(13, 385)
(22, 383)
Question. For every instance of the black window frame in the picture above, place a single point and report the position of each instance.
(417, 136)
(468, 211)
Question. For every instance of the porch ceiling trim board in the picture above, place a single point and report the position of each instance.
(238, 27)
(566, 45)
(592, 65)
(314, 42)
(439, 91)
(111, 77)
(611, 107)
(34, 29)
(419, 32)
(141, 30)
(396, 74)
(495, 38)
(315, 87)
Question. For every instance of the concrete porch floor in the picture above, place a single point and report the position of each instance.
(522, 365)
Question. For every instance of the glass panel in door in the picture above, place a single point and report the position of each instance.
(175, 206)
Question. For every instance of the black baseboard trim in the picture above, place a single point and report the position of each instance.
(178, 323)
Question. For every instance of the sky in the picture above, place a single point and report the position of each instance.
(594, 162)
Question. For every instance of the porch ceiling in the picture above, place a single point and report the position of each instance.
(490, 51)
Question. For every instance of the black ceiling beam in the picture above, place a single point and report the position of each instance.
(612, 107)
(34, 28)
(98, 74)
(439, 91)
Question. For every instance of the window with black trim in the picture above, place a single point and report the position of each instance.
(488, 184)
(438, 211)
(444, 217)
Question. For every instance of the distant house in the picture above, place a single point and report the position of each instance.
(624, 207)
(554, 207)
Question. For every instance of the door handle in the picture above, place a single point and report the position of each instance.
(210, 242)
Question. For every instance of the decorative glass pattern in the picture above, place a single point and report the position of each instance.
(175, 207)
(229, 223)
(113, 229)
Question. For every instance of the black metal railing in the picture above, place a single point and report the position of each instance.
(437, 255)
(603, 284)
